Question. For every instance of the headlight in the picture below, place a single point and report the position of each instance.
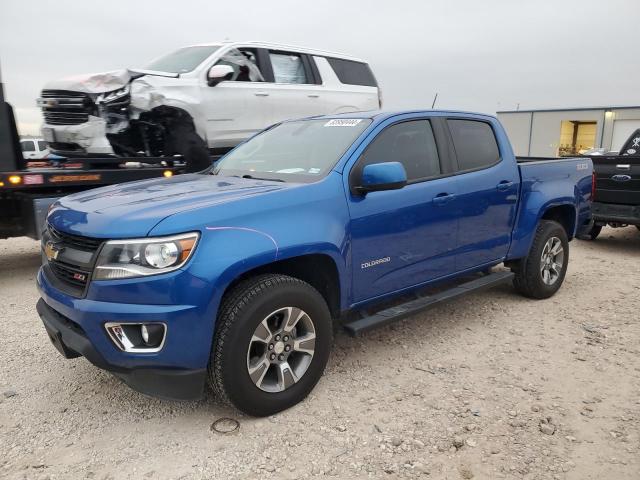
(145, 256)
(114, 95)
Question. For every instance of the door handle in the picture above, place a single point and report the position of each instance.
(443, 198)
(504, 185)
(313, 95)
(261, 94)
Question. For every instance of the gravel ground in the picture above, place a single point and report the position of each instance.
(492, 386)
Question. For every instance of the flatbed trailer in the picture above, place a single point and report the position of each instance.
(28, 189)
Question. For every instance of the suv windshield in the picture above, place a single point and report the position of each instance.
(183, 60)
(299, 151)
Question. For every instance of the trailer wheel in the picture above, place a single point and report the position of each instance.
(272, 342)
(542, 272)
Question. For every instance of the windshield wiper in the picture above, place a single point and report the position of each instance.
(267, 179)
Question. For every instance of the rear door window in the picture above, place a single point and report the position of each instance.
(42, 145)
(353, 73)
(475, 144)
(411, 143)
(28, 146)
(289, 68)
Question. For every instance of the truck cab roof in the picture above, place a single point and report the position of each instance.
(382, 115)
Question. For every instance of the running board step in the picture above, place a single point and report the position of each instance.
(389, 315)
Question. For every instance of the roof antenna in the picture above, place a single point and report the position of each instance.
(434, 101)
(518, 107)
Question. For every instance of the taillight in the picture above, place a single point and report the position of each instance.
(593, 186)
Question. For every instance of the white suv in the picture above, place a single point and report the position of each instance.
(201, 97)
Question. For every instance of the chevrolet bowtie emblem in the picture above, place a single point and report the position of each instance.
(51, 250)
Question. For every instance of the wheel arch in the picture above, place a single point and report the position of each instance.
(319, 270)
(565, 215)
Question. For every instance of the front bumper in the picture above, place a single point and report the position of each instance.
(178, 371)
(615, 213)
(86, 138)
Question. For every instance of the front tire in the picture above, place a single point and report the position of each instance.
(542, 272)
(272, 343)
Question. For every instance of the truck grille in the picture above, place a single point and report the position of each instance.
(63, 107)
(77, 241)
(73, 276)
(71, 270)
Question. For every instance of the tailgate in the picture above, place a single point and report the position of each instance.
(617, 179)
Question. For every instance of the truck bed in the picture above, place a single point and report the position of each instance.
(566, 181)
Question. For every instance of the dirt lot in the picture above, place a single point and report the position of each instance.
(493, 386)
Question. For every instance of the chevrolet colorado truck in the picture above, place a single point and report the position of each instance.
(234, 276)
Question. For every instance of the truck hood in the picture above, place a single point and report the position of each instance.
(133, 209)
(95, 83)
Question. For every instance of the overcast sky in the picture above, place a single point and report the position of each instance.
(483, 55)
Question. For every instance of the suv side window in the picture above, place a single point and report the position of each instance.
(352, 73)
(475, 144)
(411, 143)
(42, 145)
(288, 67)
(244, 63)
(28, 146)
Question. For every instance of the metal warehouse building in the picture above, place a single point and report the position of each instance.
(548, 133)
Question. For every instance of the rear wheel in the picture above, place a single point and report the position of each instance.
(542, 272)
(272, 343)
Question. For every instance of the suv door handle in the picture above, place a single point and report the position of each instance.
(504, 185)
(313, 95)
(443, 198)
(261, 94)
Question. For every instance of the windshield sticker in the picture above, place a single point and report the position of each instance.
(343, 122)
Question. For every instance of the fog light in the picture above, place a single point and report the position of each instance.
(167, 173)
(137, 337)
(15, 179)
(152, 334)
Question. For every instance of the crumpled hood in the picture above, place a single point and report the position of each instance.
(133, 209)
(92, 82)
(95, 83)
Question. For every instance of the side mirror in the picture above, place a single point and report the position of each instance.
(219, 73)
(382, 176)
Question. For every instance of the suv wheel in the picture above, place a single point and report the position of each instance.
(272, 343)
(542, 272)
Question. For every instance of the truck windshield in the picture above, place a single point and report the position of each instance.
(183, 60)
(299, 151)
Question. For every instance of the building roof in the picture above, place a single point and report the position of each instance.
(575, 109)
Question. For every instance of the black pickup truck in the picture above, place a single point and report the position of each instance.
(616, 184)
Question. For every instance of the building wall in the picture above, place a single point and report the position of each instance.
(538, 133)
(620, 124)
(518, 126)
(545, 131)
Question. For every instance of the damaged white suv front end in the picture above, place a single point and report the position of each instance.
(100, 114)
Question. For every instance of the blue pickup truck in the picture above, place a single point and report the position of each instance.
(235, 276)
